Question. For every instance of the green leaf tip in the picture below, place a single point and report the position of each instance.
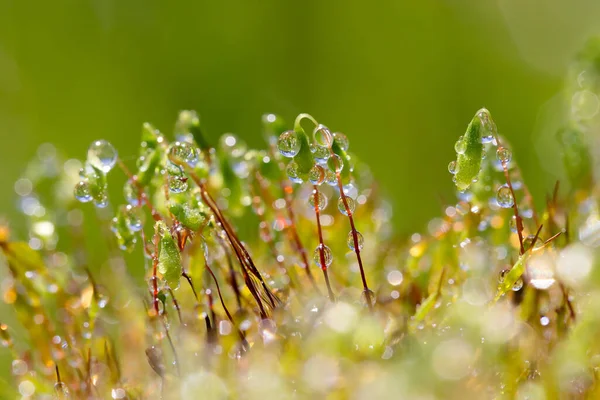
(169, 258)
(469, 149)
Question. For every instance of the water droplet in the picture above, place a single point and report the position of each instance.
(133, 216)
(528, 242)
(504, 155)
(293, 173)
(513, 224)
(316, 175)
(288, 144)
(359, 239)
(323, 136)
(331, 178)
(327, 256)
(183, 153)
(82, 191)
(504, 197)
(102, 155)
(101, 201)
(341, 140)
(368, 296)
(61, 389)
(452, 167)
(544, 321)
(131, 192)
(320, 197)
(518, 285)
(460, 146)
(485, 139)
(335, 163)
(351, 205)
(177, 184)
(320, 154)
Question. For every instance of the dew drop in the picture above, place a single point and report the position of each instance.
(341, 140)
(322, 199)
(131, 193)
(293, 172)
(133, 216)
(452, 167)
(368, 296)
(544, 321)
(316, 175)
(485, 139)
(503, 155)
(359, 239)
(61, 389)
(323, 136)
(183, 153)
(82, 191)
(327, 256)
(460, 146)
(288, 144)
(102, 155)
(504, 197)
(320, 154)
(528, 242)
(518, 285)
(101, 201)
(335, 163)
(331, 178)
(177, 184)
(351, 205)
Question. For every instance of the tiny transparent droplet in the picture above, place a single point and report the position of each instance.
(341, 140)
(133, 216)
(504, 197)
(102, 155)
(323, 136)
(131, 193)
(335, 163)
(504, 155)
(320, 197)
(327, 256)
(82, 191)
(360, 240)
(316, 175)
(460, 146)
(368, 296)
(518, 285)
(452, 167)
(183, 153)
(320, 154)
(293, 173)
(288, 144)
(342, 207)
(177, 184)
(331, 178)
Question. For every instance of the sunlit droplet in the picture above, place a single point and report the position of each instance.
(82, 191)
(288, 144)
(504, 197)
(102, 155)
(452, 167)
(341, 140)
(316, 175)
(360, 240)
(183, 153)
(327, 256)
(350, 202)
(293, 173)
(321, 198)
(503, 155)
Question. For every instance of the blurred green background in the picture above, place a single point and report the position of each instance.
(402, 79)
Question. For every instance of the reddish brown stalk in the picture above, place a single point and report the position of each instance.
(154, 272)
(229, 317)
(176, 304)
(232, 277)
(518, 219)
(363, 277)
(321, 244)
(240, 251)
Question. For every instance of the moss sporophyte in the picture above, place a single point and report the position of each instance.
(497, 298)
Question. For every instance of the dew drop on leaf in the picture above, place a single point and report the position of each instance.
(452, 167)
(288, 144)
(316, 175)
(293, 173)
(341, 140)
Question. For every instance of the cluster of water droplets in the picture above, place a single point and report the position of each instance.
(101, 158)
